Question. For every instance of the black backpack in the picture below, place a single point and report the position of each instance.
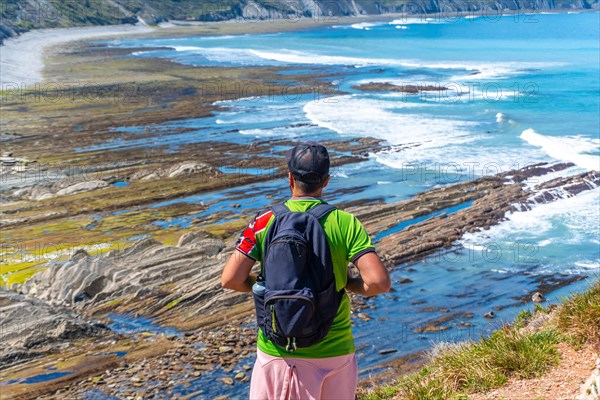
(299, 300)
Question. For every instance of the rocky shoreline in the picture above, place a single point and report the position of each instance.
(84, 250)
(179, 285)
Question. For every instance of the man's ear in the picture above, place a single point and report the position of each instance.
(291, 177)
(326, 181)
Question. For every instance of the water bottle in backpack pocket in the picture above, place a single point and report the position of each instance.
(258, 293)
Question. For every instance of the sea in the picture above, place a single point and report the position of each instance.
(516, 90)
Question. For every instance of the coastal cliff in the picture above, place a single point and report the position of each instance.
(19, 16)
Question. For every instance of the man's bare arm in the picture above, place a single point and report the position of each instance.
(373, 279)
(236, 273)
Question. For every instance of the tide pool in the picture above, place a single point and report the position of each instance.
(514, 91)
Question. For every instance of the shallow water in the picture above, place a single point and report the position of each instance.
(519, 91)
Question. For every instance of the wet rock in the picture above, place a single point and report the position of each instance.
(537, 297)
(492, 197)
(179, 169)
(82, 187)
(191, 237)
(405, 280)
(30, 325)
(387, 351)
(364, 317)
(389, 87)
(189, 167)
(227, 381)
(436, 325)
(140, 271)
(239, 376)
(225, 349)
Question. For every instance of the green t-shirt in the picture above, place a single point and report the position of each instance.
(348, 241)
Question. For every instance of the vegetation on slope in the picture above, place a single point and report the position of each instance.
(18, 16)
(455, 370)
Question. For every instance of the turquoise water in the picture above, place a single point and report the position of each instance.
(518, 91)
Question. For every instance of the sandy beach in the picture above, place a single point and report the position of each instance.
(22, 57)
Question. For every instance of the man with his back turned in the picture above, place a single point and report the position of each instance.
(326, 369)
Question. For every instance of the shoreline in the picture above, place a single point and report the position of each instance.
(180, 301)
(20, 67)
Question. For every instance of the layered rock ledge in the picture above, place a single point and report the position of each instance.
(179, 285)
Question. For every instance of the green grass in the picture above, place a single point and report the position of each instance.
(465, 368)
(456, 370)
(579, 316)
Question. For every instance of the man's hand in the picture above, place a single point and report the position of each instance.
(236, 273)
(373, 279)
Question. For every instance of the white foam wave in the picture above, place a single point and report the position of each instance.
(536, 180)
(421, 138)
(222, 54)
(500, 71)
(481, 70)
(588, 265)
(257, 132)
(187, 48)
(417, 21)
(472, 70)
(446, 162)
(573, 149)
(339, 174)
(280, 131)
(579, 214)
(404, 27)
(296, 57)
(356, 116)
(363, 25)
(250, 99)
(224, 37)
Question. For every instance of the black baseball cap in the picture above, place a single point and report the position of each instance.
(308, 162)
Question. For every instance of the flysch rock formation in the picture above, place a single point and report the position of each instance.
(492, 198)
(30, 327)
(180, 285)
(148, 277)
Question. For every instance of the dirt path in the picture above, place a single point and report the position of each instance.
(562, 382)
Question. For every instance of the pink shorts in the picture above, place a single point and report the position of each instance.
(276, 378)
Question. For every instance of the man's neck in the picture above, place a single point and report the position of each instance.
(306, 197)
(298, 195)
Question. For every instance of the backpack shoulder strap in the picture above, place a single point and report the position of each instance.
(321, 210)
(280, 209)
